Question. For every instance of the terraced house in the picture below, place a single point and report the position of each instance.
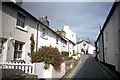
(108, 41)
(17, 27)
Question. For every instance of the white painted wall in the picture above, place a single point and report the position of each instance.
(112, 33)
(91, 49)
(71, 48)
(111, 45)
(9, 18)
(0, 19)
(100, 49)
(49, 73)
(51, 39)
(80, 46)
(70, 34)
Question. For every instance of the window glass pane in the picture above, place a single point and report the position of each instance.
(17, 54)
(20, 20)
(18, 49)
(56, 40)
(0, 51)
(1, 47)
(16, 46)
(44, 32)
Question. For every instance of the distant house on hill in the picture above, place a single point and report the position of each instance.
(85, 47)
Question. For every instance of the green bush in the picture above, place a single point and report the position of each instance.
(49, 55)
(65, 55)
(32, 44)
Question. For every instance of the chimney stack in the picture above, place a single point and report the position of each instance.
(44, 20)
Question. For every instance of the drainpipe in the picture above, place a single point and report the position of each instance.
(37, 37)
(102, 44)
(103, 48)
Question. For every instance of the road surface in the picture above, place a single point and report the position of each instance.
(90, 69)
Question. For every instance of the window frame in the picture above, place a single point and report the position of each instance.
(57, 39)
(1, 46)
(44, 33)
(24, 28)
(19, 50)
(2, 41)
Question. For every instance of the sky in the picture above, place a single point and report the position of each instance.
(83, 18)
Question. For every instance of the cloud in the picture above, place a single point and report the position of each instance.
(84, 18)
(69, 0)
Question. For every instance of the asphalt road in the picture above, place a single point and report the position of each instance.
(89, 69)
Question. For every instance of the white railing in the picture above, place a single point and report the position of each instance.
(26, 67)
(36, 69)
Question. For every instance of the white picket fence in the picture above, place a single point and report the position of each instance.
(36, 69)
(26, 67)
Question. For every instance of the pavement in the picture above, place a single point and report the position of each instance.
(87, 67)
(114, 74)
(75, 68)
(71, 71)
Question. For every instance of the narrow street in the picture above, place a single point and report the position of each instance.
(89, 69)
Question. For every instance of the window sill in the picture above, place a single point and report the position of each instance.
(23, 29)
(17, 58)
(44, 38)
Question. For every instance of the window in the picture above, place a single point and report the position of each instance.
(1, 46)
(84, 44)
(20, 20)
(106, 36)
(2, 41)
(72, 35)
(44, 33)
(56, 39)
(18, 50)
(64, 43)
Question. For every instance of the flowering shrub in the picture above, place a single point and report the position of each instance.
(49, 55)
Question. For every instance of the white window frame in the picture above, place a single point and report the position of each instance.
(2, 41)
(57, 39)
(64, 43)
(44, 33)
(24, 28)
(19, 50)
(1, 46)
